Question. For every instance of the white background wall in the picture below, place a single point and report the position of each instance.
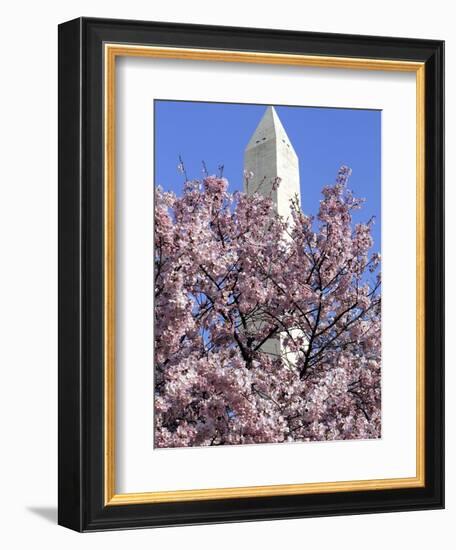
(28, 273)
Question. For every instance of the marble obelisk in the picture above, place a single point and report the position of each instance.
(270, 155)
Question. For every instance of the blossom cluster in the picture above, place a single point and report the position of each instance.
(232, 275)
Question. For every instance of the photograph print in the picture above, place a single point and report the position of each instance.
(267, 284)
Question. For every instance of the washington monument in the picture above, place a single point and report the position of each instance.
(270, 155)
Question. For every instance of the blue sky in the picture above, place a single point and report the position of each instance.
(323, 138)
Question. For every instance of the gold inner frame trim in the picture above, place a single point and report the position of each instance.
(111, 52)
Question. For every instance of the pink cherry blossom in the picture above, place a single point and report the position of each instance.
(231, 275)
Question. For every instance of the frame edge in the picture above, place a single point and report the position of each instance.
(70, 475)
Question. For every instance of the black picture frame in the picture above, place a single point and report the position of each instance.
(81, 325)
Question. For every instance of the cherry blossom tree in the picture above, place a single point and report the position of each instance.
(231, 275)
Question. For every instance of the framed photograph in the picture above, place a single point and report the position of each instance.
(250, 274)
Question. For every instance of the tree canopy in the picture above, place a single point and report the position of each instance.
(230, 276)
